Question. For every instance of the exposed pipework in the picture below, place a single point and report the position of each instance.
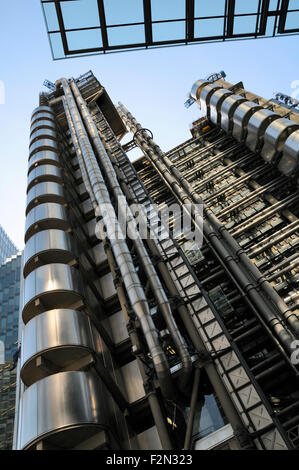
(118, 244)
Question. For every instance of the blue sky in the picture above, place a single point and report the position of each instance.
(152, 84)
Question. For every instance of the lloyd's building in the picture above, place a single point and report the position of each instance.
(133, 342)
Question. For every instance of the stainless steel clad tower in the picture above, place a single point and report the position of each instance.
(133, 342)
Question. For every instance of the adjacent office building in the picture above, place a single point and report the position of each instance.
(138, 342)
(10, 271)
(85, 27)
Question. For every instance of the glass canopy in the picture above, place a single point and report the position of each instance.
(83, 27)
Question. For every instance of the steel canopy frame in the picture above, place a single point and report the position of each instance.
(268, 23)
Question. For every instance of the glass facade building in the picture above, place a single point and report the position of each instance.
(7, 248)
(99, 26)
(10, 272)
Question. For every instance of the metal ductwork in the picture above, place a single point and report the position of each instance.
(241, 118)
(257, 126)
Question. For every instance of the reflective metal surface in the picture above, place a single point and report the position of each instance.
(275, 136)
(205, 97)
(61, 336)
(45, 216)
(47, 191)
(289, 162)
(48, 287)
(43, 144)
(67, 406)
(228, 108)
(45, 247)
(44, 173)
(43, 123)
(43, 157)
(42, 115)
(257, 126)
(215, 104)
(196, 89)
(43, 132)
(241, 117)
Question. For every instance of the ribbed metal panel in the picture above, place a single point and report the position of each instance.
(228, 108)
(42, 115)
(43, 132)
(43, 157)
(43, 123)
(275, 136)
(289, 163)
(241, 117)
(43, 144)
(45, 247)
(205, 98)
(257, 126)
(41, 109)
(215, 104)
(196, 89)
(62, 409)
(44, 173)
(47, 191)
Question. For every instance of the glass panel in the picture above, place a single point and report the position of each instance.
(243, 6)
(208, 27)
(80, 14)
(88, 39)
(204, 8)
(57, 47)
(169, 31)
(245, 24)
(120, 12)
(126, 35)
(292, 21)
(168, 9)
(51, 16)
